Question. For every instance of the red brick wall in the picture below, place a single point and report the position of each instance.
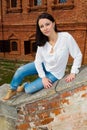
(72, 18)
(63, 111)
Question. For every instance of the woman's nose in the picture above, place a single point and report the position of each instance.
(45, 28)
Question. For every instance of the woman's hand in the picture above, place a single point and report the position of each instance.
(70, 77)
(46, 82)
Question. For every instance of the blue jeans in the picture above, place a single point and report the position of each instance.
(27, 70)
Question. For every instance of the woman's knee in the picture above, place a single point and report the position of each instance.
(19, 71)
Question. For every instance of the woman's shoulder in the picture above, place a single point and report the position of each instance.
(64, 34)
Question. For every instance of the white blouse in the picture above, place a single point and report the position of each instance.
(56, 62)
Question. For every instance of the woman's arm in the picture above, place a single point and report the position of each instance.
(38, 63)
(75, 52)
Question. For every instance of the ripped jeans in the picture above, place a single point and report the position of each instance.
(27, 70)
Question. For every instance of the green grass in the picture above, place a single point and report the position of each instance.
(7, 70)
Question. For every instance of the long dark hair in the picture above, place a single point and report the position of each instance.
(40, 38)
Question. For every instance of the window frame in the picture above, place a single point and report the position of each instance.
(69, 4)
(16, 9)
(18, 47)
(12, 46)
(42, 7)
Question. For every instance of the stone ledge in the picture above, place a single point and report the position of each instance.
(58, 87)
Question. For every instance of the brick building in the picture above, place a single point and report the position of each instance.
(18, 21)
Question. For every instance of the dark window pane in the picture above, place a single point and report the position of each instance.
(1, 46)
(35, 2)
(14, 46)
(13, 3)
(34, 47)
(4, 46)
(27, 48)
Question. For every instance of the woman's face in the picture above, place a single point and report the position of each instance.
(46, 26)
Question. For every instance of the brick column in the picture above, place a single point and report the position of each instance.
(49, 4)
(25, 5)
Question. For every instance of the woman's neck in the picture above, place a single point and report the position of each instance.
(53, 38)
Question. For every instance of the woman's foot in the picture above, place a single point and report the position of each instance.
(10, 94)
(20, 89)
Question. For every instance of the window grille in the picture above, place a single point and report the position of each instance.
(62, 1)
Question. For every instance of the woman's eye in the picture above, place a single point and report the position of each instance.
(41, 26)
(47, 24)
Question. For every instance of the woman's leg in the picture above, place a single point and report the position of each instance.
(21, 73)
(37, 84)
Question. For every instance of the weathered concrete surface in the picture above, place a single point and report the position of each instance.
(8, 109)
(6, 124)
(80, 79)
(8, 116)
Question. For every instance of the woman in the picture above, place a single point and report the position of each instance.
(53, 49)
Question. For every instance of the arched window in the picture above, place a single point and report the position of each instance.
(14, 46)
